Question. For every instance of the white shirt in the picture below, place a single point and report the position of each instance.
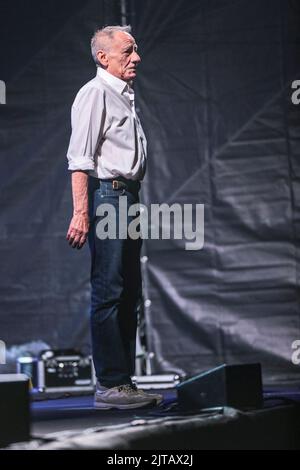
(107, 137)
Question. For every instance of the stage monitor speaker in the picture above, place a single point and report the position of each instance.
(237, 386)
(14, 408)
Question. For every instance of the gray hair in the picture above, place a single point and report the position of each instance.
(103, 37)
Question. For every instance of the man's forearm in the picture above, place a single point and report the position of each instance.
(80, 192)
(79, 226)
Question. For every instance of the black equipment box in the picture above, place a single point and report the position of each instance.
(59, 371)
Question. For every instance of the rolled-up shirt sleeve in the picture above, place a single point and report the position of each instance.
(87, 118)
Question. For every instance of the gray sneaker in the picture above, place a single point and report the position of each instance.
(122, 397)
(155, 396)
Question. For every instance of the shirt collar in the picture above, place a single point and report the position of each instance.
(116, 83)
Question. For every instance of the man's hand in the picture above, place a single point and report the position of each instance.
(79, 226)
(78, 230)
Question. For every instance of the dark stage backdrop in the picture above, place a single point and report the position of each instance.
(214, 92)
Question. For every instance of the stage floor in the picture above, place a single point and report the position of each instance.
(78, 413)
(72, 423)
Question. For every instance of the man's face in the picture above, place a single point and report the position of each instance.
(122, 58)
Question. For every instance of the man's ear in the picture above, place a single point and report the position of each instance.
(102, 58)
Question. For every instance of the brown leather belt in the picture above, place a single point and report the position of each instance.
(123, 183)
(119, 185)
(129, 185)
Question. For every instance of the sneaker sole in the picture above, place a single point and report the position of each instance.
(158, 400)
(130, 406)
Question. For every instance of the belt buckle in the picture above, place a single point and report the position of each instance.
(115, 184)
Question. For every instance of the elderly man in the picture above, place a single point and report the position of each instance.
(107, 157)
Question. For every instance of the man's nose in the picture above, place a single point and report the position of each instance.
(135, 58)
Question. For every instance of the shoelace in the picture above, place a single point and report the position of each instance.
(127, 388)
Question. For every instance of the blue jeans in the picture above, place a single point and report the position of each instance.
(116, 290)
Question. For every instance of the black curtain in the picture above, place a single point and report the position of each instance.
(215, 94)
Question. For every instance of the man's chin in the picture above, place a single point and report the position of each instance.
(131, 74)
